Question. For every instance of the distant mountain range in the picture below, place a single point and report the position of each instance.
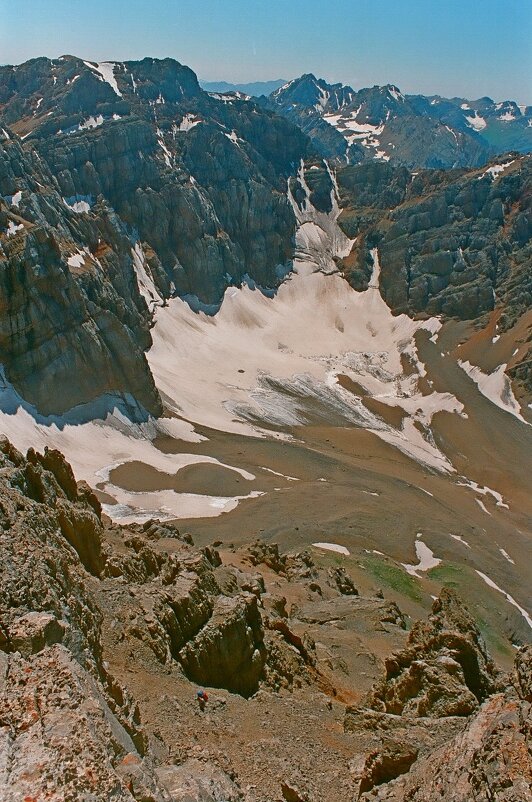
(253, 89)
(413, 130)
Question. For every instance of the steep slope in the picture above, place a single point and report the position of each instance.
(105, 632)
(73, 316)
(414, 131)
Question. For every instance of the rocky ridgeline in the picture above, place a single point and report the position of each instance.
(97, 620)
(123, 185)
(414, 131)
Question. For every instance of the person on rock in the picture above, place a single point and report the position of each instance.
(202, 698)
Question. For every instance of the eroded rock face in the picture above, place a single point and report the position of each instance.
(67, 727)
(156, 179)
(229, 652)
(443, 671)
(71, 312)
(59, 734)
(489, 760)
(448, 241)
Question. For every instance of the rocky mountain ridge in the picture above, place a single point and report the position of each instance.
(101, 169)
(92, 614)
(412, 130)
(126, 184)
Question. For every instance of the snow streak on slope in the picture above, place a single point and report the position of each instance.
(274, 362)
(106, 71)
(509, 598)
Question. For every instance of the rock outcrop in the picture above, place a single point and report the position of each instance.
(443, 671)
(489, 760)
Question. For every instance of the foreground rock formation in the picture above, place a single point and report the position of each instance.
(105, 631)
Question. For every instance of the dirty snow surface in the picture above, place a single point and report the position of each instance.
(253, 366)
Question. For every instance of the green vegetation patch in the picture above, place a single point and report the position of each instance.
(394, 577)
(450, 575)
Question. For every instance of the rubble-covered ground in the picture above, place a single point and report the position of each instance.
(316, 692)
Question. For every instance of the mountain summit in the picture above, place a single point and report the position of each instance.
(382, 123)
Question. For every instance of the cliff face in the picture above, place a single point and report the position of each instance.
(73, 323)
(201, 178)
(112, 158)
(450, 242)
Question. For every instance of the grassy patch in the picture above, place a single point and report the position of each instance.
(452, 576)
(392, 576)
(494, 642)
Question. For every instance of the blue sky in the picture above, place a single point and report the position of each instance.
(451, 47)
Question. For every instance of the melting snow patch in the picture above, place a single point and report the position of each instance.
(507, 556)
(106, 71)
(76, 260)
(461, 540)
(12, 228)
(91, 122)
(484, 491)
(166, 152)
(79, 258)
(332, 547)
(496, 170)
(13, 200)
(495, 387)
(145, 281)
(234, 138)
(477, 122)
(396, 94)
(284, 476)
(79, 203)
(482, 507)
(194, 357)
(166, 504)
(426, 558)
(512, 601)
(188, 122)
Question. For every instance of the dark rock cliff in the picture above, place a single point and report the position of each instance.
(112, 157)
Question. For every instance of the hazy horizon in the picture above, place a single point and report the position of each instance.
(453, 49)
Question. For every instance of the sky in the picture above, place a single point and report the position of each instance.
(469, 48)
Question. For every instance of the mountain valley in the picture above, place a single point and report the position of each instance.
(266, 393)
